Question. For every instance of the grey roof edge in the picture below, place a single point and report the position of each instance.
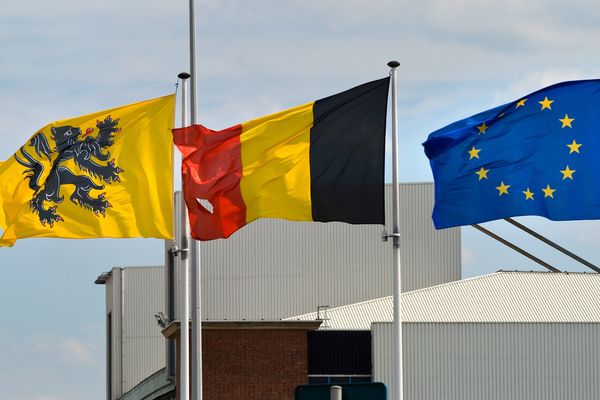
(430, 288)
(173, 327)
(138, 266)
(488, 276)
(516, 271)
(105, 276)
(153, 387)
(416, 294)
(378, 299)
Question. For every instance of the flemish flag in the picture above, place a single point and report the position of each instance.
(105, 174)
(321, 161)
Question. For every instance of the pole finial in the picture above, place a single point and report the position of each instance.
(393, 64)
(183, 75)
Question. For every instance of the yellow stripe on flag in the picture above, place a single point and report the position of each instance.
(2, 218)
(117, 188)
(276, 165)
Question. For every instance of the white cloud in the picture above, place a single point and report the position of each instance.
(77, 351)
(541, 78)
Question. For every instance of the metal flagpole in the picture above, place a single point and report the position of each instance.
(181, 235)
(194, 249)
(397, 344)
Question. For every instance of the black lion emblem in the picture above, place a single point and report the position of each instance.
(87, 153)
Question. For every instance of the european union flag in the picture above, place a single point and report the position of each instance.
(538, 155)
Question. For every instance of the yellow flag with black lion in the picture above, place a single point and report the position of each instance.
(105, 174)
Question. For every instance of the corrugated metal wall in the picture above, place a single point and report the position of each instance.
(493, 361)
(113, 296)
(137, 343)
(275, 269)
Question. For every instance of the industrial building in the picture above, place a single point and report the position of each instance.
(508, 335)
(271, 270)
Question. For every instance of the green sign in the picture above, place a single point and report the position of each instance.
(350, 391)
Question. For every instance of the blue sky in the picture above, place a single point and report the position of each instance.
(65, 58)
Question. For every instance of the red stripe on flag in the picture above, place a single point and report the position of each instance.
(212, 170)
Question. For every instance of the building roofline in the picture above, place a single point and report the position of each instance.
(516, 271)
(173, 327)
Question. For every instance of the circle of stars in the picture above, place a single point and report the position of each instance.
(503, 188)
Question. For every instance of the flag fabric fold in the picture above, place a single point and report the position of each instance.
(105, 174)
(321, 161)
(533, 156)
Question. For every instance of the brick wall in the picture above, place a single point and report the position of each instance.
(253, 364)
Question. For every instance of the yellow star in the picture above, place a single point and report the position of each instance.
(566, 121)
(502, 189)
(548, 191)
(574, 147)
(482, 128)
(567, 173)
(474, 153)
(528, 194)
(482, 173)
(521, 103)
(546, 103)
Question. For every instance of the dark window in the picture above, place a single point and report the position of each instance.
(318, 380)
(360, 379)
(338, 379)
(341, 353)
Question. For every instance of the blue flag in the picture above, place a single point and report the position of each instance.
(538, 155)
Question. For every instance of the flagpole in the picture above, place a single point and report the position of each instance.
(194, 248)
(397, 325)
(181, 236)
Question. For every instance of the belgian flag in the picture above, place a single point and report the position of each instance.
(321, 161)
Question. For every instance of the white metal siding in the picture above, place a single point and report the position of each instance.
(354, 317)
(498, 297)
(508, 297)
(143, 343)
(493, 361)
(382, 341)
(109, 337)
(275, 269)
(134, 295)
(114, 285)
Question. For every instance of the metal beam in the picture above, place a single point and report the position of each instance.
(515, 248)
(552, 244)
